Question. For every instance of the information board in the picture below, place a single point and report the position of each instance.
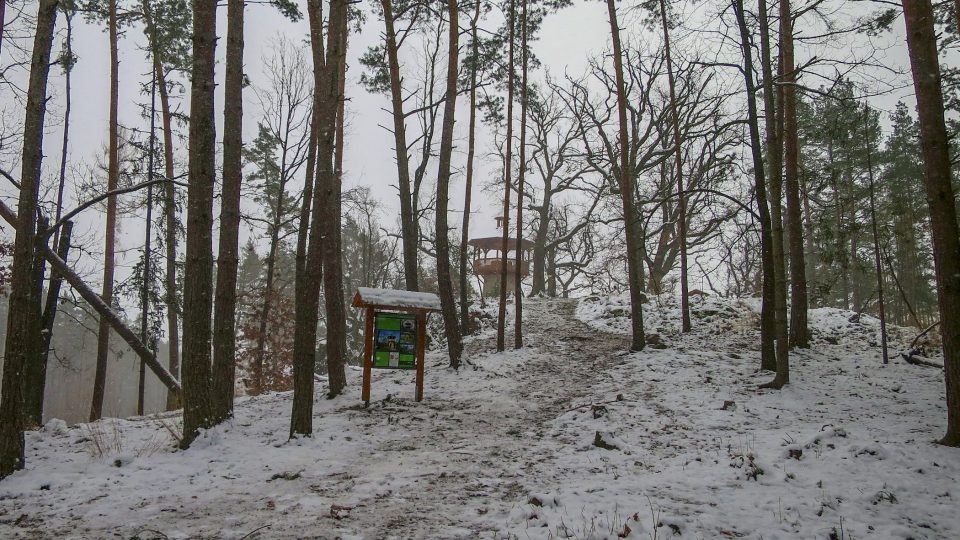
(395, 341)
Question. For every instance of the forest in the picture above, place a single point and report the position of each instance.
(743, 200)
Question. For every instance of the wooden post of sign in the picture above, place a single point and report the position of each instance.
(421, 347)
(367, 355)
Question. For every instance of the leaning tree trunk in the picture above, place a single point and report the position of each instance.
(408, 227)
(768, 356)
(521, 174)
(678, 163)
(507, 180)
(447, 302)
(922, 43)
(766, 234)
(626, 192)
(224, 315)
(109, 255)
(468, 183)
(799, 333)
(22, 314)
(198, 401)
(147, 255)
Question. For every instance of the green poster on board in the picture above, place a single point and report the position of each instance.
(395, 341)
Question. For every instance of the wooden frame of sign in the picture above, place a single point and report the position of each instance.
(375, 301)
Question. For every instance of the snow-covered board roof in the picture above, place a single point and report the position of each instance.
(395, 299)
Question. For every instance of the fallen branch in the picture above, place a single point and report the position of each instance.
(910, 356)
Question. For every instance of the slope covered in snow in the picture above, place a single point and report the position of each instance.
(570, 437)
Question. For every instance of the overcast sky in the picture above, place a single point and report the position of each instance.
(568, 39)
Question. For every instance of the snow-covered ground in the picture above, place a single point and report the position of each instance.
(569, 437)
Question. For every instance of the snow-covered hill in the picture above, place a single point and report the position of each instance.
(570, 437)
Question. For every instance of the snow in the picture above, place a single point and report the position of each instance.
(507, 447)
(398, 298)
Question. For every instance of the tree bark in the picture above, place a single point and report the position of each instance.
(408, 228)
(521, 175)
(507, 181)
(760, 191)
(678, 163)
(198, 400)
(113, 178)
(468, 186)
(308, 248)
(330, 190)
(799, 333)
(922, 44)
(224, 315)
(445, 283)
(625, 178)
(768, 354)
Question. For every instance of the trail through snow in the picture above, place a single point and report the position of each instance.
(569, 437)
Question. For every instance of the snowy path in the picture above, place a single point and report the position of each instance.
(471, 459)
(506, 449)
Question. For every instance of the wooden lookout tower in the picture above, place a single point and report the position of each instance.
(488, 257)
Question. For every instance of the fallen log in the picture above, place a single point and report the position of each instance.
(100, 307)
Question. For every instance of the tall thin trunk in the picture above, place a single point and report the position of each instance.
(518, 251)
(507, 181)
(878, 269)
(330, 190)
(224, 315)
(3, 14)
(799, 333)
(922, 43)
(308, 249)
(760, 190)
(626, 192)
(113, 178)
(170, 211)
(147, 255)
(772, 289)
(199, 409)
(468, 185)
(22, 315)
(678, 163)
(408, 228)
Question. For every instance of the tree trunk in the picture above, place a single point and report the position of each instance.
(113, 178)
(507, 181)
(468, 186)
(445, 283)
(308, 248)
(626, 192)
(35, 371)
(799, 333)
(768, 356)
(878, 268)
(518, 251)
(21, 314)
(760, 191)
(407, 216)
(170, 212)
(199, 410)
(147, 255)
(3, 14)
(330, 191)
(678, 163)
(224, 315)
(922, 43)
(53, 300)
